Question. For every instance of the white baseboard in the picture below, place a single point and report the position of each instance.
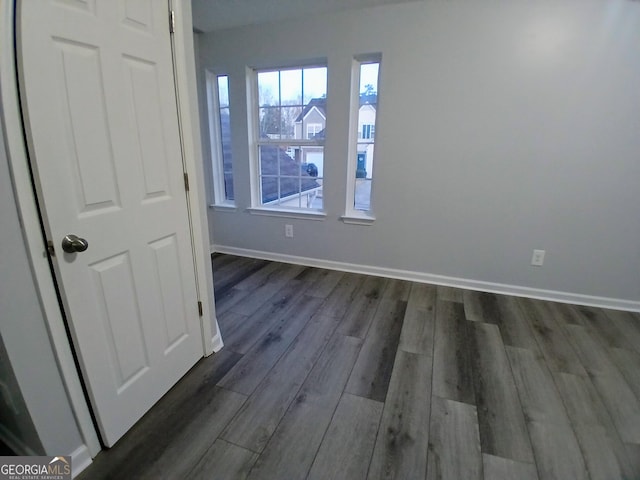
(80, 459)
(217, 343)
(481, 286)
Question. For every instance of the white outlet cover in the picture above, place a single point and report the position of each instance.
(537, 259)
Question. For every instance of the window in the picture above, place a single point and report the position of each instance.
(220, 133)
(290, 122)
(368, 131)
(313, 129)
(362, 146)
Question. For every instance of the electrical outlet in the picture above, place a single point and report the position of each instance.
(288, 231)
(537, 259)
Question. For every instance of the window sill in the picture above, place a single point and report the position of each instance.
(270, 212)
(357, 218)
(224, 207)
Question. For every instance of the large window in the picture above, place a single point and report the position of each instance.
(365, 109)
(290, 128)
(220, 134)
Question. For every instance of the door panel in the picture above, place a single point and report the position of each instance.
(167, 273)
(82, 5)
(120, 315)
(88, 135)
(100, 113)
(137, 14)
(145, 120)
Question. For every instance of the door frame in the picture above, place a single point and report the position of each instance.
(27, 203)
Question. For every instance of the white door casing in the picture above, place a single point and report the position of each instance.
(100, 111)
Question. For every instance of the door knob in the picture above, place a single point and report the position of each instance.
(72, 243)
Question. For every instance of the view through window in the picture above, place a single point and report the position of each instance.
(292, 119)
(225, 136)
(220, 133)
(367, 109)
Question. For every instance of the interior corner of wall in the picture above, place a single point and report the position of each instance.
(80, 459)
(216, 342)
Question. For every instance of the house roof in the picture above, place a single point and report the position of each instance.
(319, 103)
(269, 155)
(369, 99)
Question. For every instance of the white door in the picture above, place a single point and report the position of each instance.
(101, 117)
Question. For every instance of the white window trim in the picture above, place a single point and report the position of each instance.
(358, 217)
(288, 213)
(351, 215)
(228, 207)
(215, 143)
(254, 141)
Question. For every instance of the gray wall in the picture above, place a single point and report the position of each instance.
(27, 347)
(16, 427)
(503, 126)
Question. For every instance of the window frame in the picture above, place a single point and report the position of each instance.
(351, 214)
(314, 125)
(255, 142)
(219, 193)
(370, 130)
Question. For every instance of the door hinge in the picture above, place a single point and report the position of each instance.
(172, 21)
(200, 308)
(186, 182)
(50, 248)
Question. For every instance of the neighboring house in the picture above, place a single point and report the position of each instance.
(366, 135)
(312, 120)
(310, 125)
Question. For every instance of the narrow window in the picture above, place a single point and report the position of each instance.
(367, 72)
(291, 120)
(220, 133)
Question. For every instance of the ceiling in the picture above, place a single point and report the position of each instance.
(209, 15)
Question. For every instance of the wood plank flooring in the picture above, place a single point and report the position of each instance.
(332, 375)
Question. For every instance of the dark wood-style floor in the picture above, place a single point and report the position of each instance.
(337, 375)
